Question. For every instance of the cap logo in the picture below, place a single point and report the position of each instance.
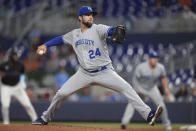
(89, 8)
(85, 10)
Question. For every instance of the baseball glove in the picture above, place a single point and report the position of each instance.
(119, 34)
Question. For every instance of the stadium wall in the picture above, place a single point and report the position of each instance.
(101, 112)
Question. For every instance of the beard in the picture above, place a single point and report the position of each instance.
(87, 24)
(153, 65)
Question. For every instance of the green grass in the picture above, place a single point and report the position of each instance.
(109, 124)
(104, 124)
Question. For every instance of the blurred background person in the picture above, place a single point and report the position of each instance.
(145, 81)
(85, 95)
(12, 86)
(182, 94)
(6, 11)
(34, 37)
(61, 77)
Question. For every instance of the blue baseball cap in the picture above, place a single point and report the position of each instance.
(85, 10)
(153, 54)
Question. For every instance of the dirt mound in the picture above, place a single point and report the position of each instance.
(23, 127)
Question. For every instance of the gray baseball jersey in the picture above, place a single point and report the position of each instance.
(91, 51)
(145, 78)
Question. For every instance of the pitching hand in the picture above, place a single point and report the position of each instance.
(42, 49)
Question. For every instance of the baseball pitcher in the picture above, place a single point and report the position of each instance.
(89, 43)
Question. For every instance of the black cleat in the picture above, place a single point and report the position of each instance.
(39, 121)
(123, 127)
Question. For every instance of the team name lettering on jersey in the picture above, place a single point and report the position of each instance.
(84, 41)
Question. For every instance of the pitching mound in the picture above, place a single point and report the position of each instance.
(23, 127)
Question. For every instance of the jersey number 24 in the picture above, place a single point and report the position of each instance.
(93, 54)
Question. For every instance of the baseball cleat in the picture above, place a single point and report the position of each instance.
(39, 121)
(156, 115)
(169, 128)
(123, 127)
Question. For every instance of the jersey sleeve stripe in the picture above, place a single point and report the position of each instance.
(55, 41)
(110, 30)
